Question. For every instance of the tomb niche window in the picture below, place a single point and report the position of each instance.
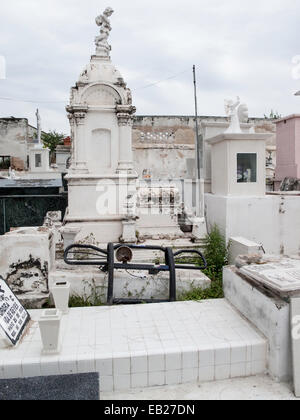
(4, 162)
(246, 167)
(38, 160)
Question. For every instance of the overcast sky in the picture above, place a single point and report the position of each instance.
(240, 48)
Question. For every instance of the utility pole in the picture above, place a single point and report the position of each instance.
(198, 140)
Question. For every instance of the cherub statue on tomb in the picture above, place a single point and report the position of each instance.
(105, 29)
(232, 111)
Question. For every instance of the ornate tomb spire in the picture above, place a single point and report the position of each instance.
(102, 46)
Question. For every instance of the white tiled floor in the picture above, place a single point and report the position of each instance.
(145, 345)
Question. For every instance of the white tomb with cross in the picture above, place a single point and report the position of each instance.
(39, 156)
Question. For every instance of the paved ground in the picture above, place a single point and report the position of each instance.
(64, 387)
(254, 388)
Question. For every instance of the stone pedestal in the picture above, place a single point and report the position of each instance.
(39, 160)
(129, 231)
(241, 246)
(199, 228)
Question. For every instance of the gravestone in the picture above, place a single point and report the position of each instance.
(13, 317)
(282, 276)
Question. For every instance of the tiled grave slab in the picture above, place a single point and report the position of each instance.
(145, 345)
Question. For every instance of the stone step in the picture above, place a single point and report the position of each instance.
(145, 345)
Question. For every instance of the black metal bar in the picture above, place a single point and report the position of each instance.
(79, 246)
(137, 301)
(171, 263)
(141, 267)
(32, 196)
(69, 261)
(142, 247)
(110, 267)
(190, 267)
(4, 216)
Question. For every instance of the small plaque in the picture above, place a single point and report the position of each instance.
(13, 317)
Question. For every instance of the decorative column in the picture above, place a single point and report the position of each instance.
(72, 127)
(125, 122)
(77, 121)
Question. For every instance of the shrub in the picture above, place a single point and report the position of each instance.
(215, 250)
(216, 255)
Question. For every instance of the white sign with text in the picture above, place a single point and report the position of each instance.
(13, 317)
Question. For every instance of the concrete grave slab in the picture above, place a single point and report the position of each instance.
(282, 276)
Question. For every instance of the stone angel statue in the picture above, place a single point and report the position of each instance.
(105, 28)
(232, 111)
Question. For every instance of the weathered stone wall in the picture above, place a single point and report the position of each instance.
(164, 146)
(15, 137)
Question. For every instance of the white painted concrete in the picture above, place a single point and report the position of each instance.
(39, 160)
(242, 246)
(270, 315)
(224, 155)
(295, 321)
(272, 221)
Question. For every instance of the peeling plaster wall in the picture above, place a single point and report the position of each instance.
(15, 137)
(26, 257)
(164, 146)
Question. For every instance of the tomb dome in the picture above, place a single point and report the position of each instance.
(99, 70)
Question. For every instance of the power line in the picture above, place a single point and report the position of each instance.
(32, 101)
(66, 101)
(161, 81)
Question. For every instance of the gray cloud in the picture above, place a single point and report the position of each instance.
(240, 48)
